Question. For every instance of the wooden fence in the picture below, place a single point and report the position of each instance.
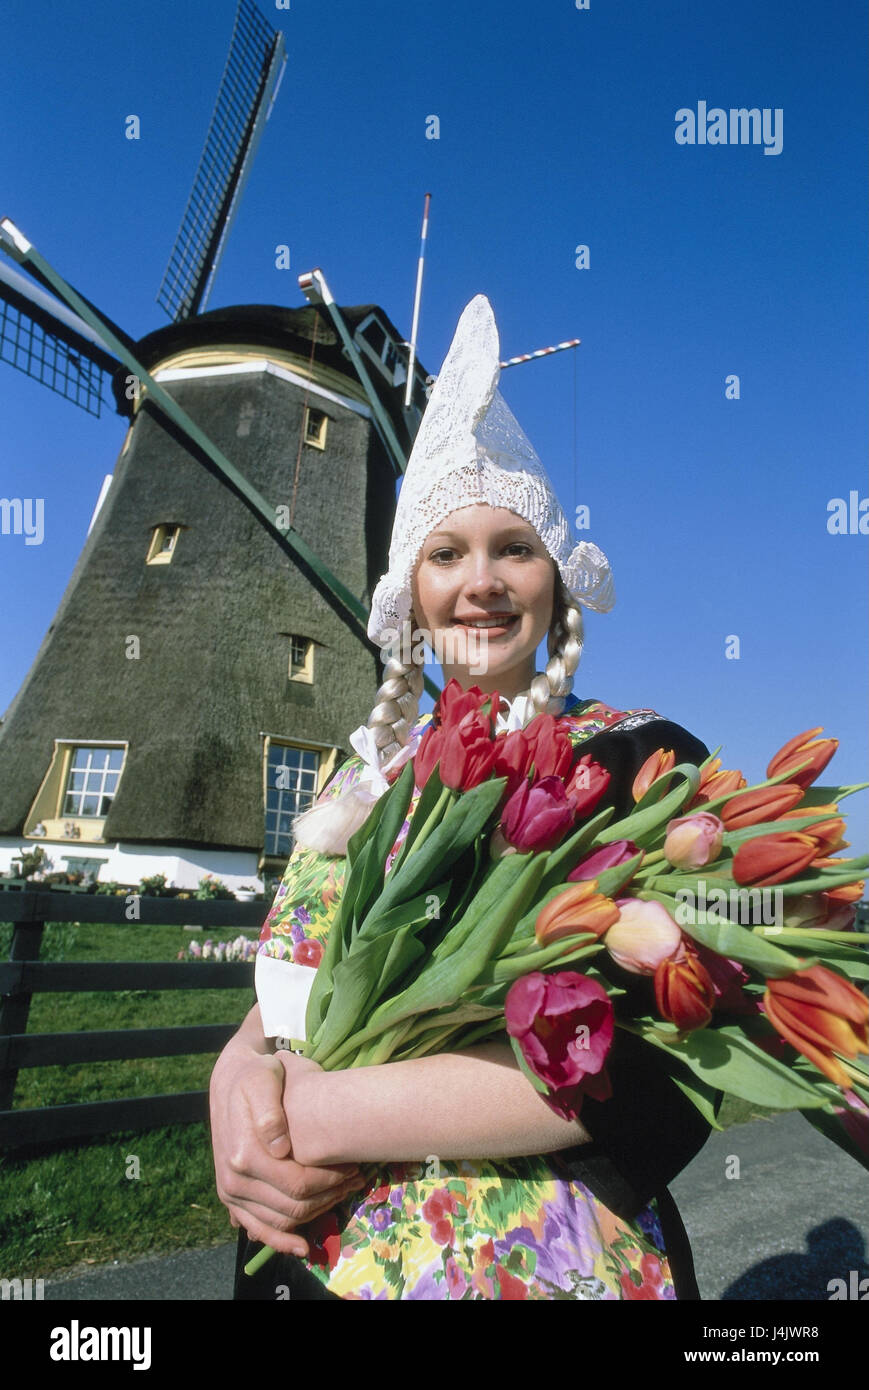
(24, 975)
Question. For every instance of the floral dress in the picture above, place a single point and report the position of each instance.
(519, 1228)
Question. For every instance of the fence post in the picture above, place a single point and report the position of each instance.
(15, 1008)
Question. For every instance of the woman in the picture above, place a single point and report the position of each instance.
(479, 1190)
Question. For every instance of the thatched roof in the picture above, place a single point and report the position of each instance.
(213, 626)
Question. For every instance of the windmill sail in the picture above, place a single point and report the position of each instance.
(44, 339)
(248, 88)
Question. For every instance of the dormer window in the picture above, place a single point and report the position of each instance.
(315, 427)
(163, 542)
(301, 659)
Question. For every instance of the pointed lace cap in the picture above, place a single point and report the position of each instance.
(471, 449)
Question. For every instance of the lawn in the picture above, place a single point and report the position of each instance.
(124, 1194)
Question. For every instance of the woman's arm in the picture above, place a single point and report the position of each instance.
(471, 1104)
(260, 1182)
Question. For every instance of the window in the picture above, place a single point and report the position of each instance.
(315, 427)
(290, 789)
(301, 659)
(163, 542)
(92, 781)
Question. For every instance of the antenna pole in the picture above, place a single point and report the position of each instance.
(416, 299)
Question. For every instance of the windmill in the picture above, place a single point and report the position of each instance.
(192, 693)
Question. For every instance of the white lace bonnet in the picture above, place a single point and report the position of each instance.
(469, 449)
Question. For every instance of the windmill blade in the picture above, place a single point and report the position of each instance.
(248, 88)
(45, 340)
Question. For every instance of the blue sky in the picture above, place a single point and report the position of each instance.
(556, 129)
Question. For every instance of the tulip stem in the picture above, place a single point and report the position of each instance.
(440, 808)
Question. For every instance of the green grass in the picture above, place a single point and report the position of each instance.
(75, 1203)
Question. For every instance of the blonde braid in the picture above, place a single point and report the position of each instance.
(549, 691)
(396, 704)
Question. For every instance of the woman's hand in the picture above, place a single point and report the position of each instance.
(258, 1181)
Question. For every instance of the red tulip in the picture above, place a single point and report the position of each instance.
(804, 747)
(468, 753)
(820, 1013)
(846, 892)
(607, 857)
(563, 1023)
(773, 858)
(728, 977)
(428, 753)
(828, 833)
(513, 757)
(655, 766)
(537, 817)
(550, 745)
(455, 702)
(586, 786)
(684, 992)
(580, 908)
(764, 803)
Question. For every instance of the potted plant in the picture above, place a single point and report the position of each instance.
(246, 893)
(211, 887)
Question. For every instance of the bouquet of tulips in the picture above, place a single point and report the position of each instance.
(512, 905)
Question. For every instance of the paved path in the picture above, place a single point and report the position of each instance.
(795, 1218)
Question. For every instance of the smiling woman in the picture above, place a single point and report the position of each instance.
(487, 577)
(479, 1189)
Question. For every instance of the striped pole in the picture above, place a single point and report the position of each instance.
(541, 352)
(416, 299)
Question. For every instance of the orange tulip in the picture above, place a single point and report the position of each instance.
(829, 833)
(684, 991)
(820, 1013)
(846, 892)
(715, 781)
(580, 908)
(655, 766)
(766, 803)
(773, 858)
(802, 749)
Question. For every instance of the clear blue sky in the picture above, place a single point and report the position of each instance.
(556, 128)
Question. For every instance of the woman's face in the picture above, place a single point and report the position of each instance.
(484, 589)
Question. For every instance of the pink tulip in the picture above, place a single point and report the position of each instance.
(819, 910)
(619, 852)
(644, 935)
(563, 1023)
(854, 1119)
(693, 841)
(536, 818)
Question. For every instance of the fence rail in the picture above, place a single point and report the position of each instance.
(24, 975)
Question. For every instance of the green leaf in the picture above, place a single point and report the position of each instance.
(727, 1061)
(851, 960)
(429, 797)
(655, 792)
(732, 839)
(738, 943)
(611, 880)
(363, 886)
(640, 823)
(540, 1086)
(463, 821)
(566, 856)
